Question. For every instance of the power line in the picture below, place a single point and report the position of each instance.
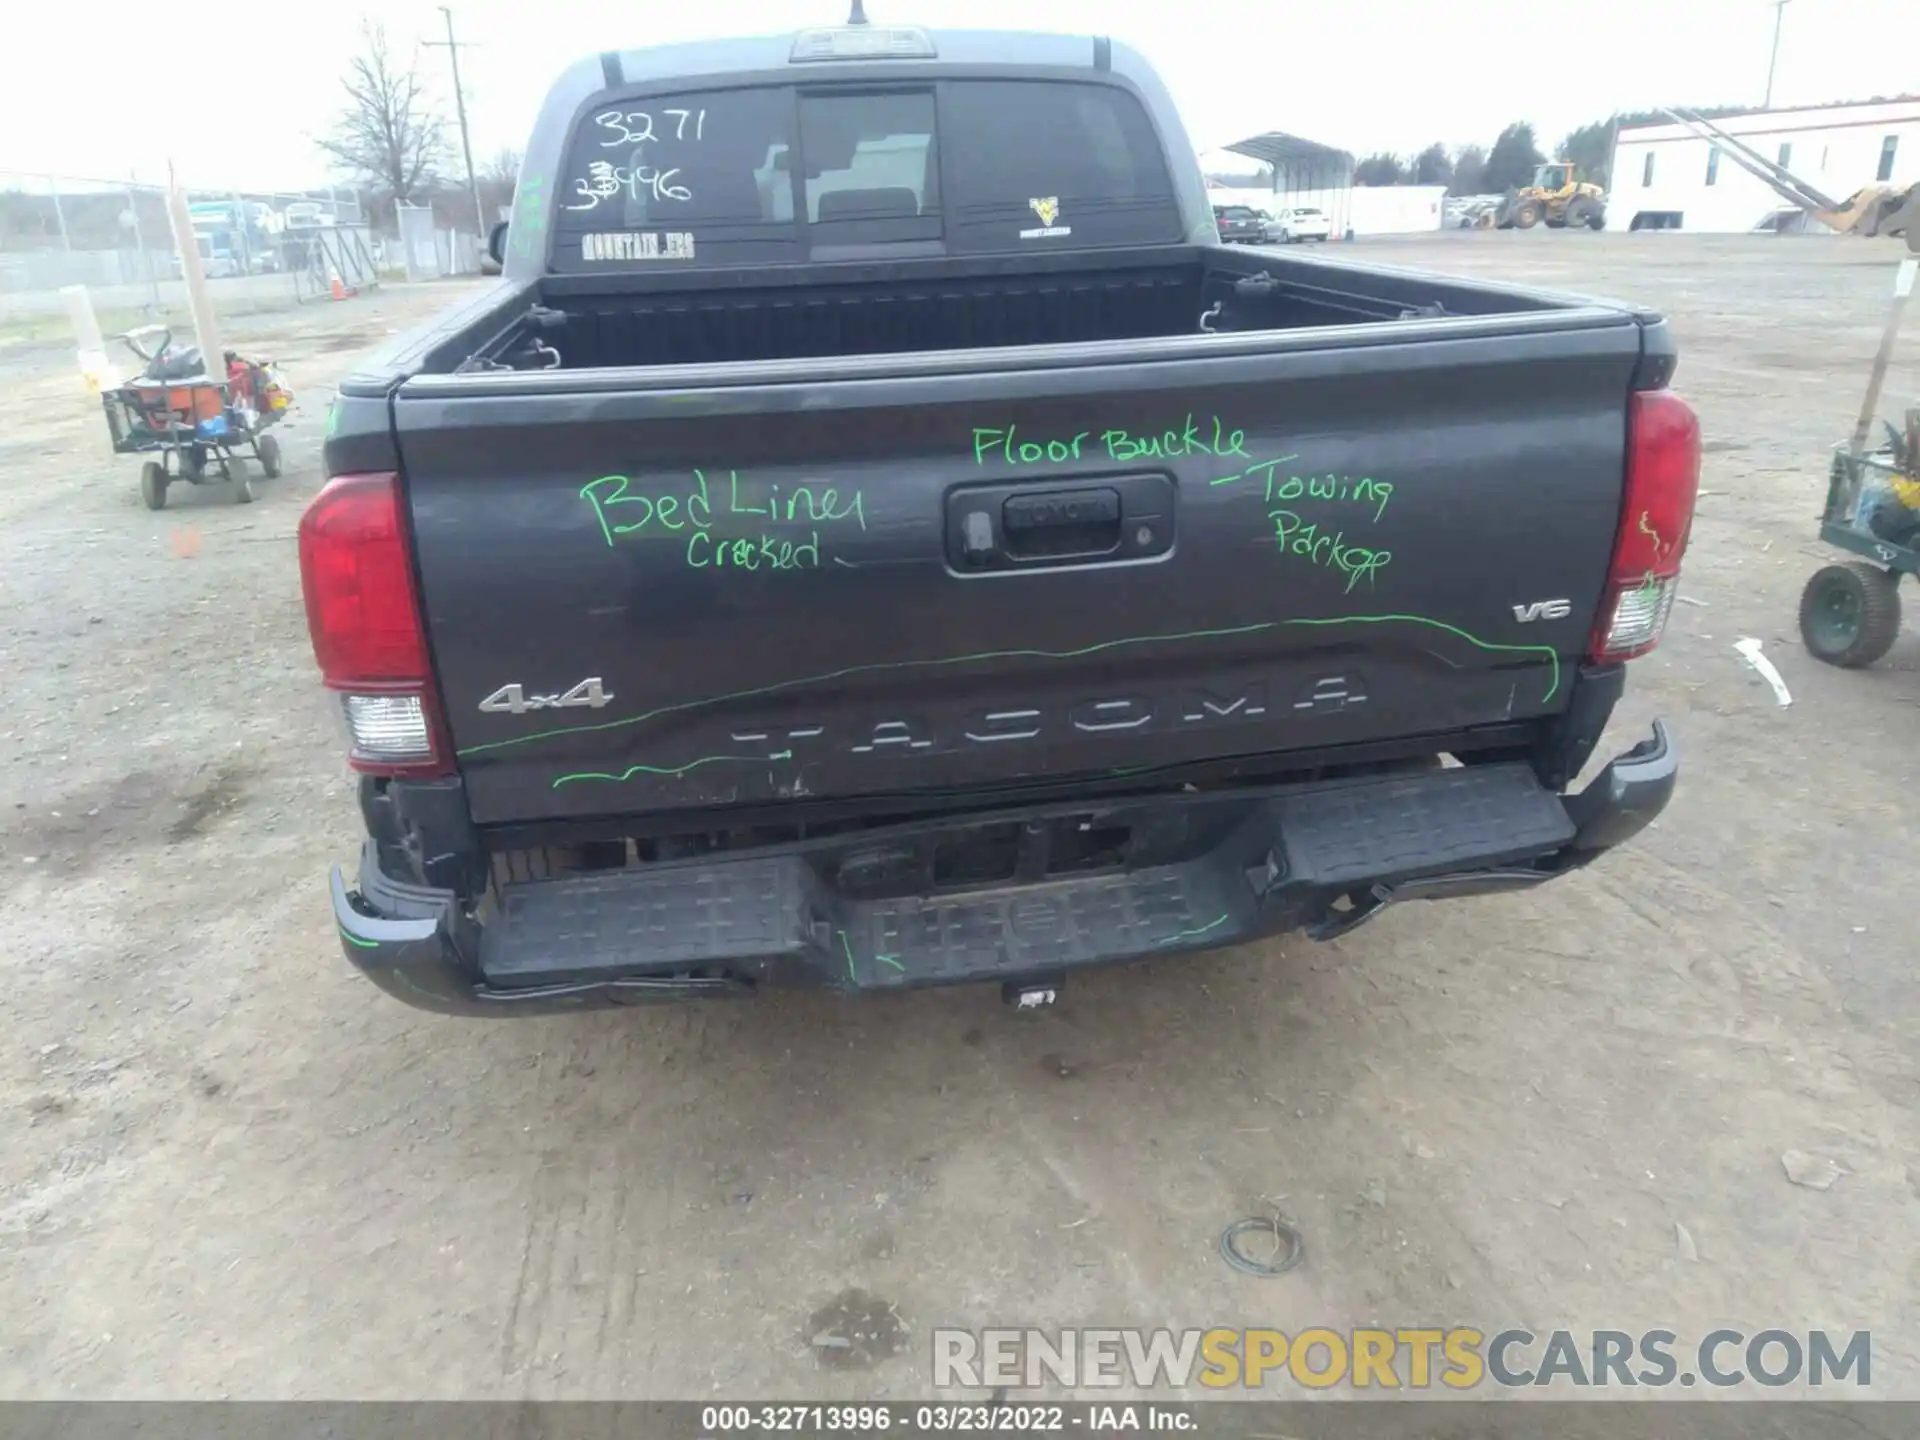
(452, 47)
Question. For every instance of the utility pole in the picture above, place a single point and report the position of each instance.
(460, 108)
(140, 244)
(59, 215)
(1779, 14)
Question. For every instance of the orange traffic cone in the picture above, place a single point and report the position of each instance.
(336, 289)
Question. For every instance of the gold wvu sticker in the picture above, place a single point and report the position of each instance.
(1048, 209)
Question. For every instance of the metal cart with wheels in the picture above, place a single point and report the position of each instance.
(1850, 612)
(192, 426)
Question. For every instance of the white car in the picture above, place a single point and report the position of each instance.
(306, 215)
(1304, 223)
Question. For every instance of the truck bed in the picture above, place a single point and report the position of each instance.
(941, 305)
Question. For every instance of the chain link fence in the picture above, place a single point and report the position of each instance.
(262, 250)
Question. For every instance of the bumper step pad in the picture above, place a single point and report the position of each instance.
(1385, 830)
(705, 917)
(1045, 927)
(749, 918)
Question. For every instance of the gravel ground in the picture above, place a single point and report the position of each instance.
(235, 1169)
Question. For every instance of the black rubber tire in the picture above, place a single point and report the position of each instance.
(269, 449)
(1850, 614)
(1576, 213)
(1597, 220)
(1527, 214)
(242, 487)
(153, 485)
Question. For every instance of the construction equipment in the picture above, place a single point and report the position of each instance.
(1870, 210)
(1556, 197)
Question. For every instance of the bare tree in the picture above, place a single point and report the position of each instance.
(503, 168)
(388, 135)
(497, 179)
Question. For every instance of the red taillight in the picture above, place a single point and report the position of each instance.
(364, 620)
(1663, 477)
(359, 586)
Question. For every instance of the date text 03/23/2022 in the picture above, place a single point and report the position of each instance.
(942, 1418)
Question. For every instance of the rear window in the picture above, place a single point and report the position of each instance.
(770, 174)
(871, 168)
(1045, 162)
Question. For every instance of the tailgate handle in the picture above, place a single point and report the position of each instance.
(1110, 519)
(1062, 522)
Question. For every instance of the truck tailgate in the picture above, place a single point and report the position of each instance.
(869, 577)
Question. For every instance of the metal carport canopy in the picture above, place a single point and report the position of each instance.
(1283, 151)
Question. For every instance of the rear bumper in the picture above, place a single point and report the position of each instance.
(1322, 857)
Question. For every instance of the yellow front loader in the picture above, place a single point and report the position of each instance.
(1556, 197)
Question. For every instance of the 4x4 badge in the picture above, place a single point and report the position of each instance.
(513, 699)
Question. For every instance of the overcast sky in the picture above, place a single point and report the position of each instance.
(236, 100)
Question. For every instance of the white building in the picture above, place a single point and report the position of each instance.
(1320, 177)
(1666, 177)
(1395, 209)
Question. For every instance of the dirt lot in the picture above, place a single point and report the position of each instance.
(233, 1168)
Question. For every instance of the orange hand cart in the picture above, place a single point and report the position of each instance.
(194, 426)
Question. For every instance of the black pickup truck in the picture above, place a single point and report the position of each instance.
(873, 534)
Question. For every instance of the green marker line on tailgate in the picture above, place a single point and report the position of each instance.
(1544, 652)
